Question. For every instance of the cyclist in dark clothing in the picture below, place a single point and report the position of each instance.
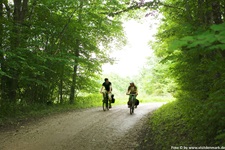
(107, 87)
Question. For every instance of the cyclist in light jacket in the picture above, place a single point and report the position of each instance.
(132, 89)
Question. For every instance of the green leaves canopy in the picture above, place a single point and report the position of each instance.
(44, 41)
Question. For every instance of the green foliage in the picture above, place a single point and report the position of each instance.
(92, 100)
(56, 46)
(190, 43)
(187, 123)
(199, 66)
(192, 51)
(155, 79)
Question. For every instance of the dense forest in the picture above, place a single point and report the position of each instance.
(51, 50)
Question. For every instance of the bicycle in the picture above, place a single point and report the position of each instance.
(132, 103)
(105, 101)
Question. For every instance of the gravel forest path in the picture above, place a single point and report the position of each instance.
(86, 129)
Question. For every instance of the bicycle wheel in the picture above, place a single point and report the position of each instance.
(105, 103)
(132, 106)
(131, 110)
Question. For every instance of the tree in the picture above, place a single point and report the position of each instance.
(50, 50)
(189, 65)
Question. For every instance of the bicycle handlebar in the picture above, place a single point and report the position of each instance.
(132, 94)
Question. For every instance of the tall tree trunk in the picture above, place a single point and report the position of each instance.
(217, 15)
(20, 10)
(76, 53)
(4, 79)
(14, 44)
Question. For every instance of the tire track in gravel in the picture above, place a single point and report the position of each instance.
(87, 129)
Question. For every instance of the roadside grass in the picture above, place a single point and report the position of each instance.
(13, 114)
(187, 123)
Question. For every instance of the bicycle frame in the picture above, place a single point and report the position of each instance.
(105, 102)
(132, 103)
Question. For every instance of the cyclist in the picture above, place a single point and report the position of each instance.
(132, 89)
(107, 87)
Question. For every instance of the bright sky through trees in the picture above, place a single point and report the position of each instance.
(132, 57)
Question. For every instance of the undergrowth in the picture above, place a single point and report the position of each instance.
(187, 123)
(12, 114)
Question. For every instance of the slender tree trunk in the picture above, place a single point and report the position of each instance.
(61, 86)
(206, 13)
(74, 78)
(188, 12)
(74, 81)
(61, 91)
(201, 13)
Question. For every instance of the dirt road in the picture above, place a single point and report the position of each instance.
(87, 129)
